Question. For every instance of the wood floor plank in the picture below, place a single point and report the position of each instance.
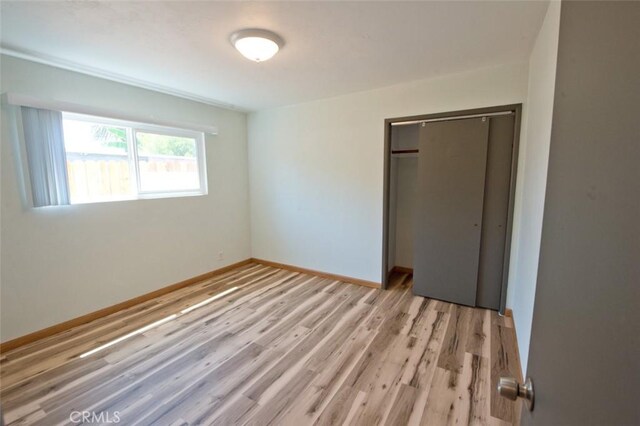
(199, 399)
(423, 361)
(479, 382)
(440, 407)
(416, 314)
(236, 412)
(276, 408)
(338, 409)
(476, 336)
(402, 405)
(379, 393)
(504, 363)
(332, 373)
(453, 348)
(297, 355)
(285, 348)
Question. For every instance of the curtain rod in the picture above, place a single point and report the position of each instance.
(32, 102)
(451, 118)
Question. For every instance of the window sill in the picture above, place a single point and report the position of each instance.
(148, 196)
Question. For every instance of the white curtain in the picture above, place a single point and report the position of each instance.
(46, 156)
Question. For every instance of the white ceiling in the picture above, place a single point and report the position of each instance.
(332, 48)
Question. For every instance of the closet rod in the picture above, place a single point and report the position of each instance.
(406, 151)
(460, 117)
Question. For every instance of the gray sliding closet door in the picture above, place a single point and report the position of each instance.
(495, 211)
(451, 177)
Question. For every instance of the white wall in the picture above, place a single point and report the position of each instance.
(530, 193)
(316, 169)
(62, 262)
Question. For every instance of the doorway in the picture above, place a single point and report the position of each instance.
(449, 186)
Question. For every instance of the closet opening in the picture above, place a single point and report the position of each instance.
(449, 188)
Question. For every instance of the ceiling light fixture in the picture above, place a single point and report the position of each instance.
(256, 44)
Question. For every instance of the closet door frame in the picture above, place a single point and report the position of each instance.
(517, 110)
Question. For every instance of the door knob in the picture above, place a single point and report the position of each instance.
(509, 388)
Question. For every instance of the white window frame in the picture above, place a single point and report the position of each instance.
(133, 128)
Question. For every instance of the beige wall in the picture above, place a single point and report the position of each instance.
(62, 262)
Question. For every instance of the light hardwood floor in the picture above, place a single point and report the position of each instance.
(284, 348)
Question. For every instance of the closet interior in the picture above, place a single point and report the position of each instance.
(403, 179)
(450, 188)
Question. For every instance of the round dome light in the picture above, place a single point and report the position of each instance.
(256, 44)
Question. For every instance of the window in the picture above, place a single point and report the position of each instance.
(110, 160)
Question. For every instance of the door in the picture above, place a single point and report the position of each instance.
(584, 355)
(497, 193)
(451, 175)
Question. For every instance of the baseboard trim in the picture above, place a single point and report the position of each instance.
(318, 273)
(402, 270)
(63, 326)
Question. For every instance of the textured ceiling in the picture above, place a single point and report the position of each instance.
(332, 48)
